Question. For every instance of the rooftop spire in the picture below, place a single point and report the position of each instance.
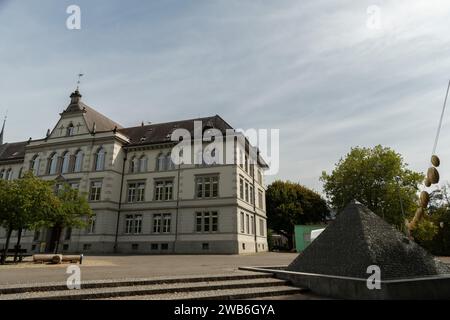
(79, 80)
(3, 129)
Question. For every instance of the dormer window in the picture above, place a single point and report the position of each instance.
(70, 130)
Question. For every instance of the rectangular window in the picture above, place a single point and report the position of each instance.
(129, 223)
(140, 197)
(137, 224)
(260, 199)
(247, 221)
(154, 246)
(133, 223)
(96, 190)
(242, 222)
(205, 246)
(260, 179)
(246, 191)
(198, 222)
(241, 188)
(164, 246)
(168, 188)
(131, 192)
(214, 223)
(91, 226)
(87, 246)
(207, 221)
(163, 190)
(262, 230)
(207, 187)
(136, 192)
(157, 223)
(159, 190)
(134, 246)
(167, 219)
(252, 195)
(252, 225)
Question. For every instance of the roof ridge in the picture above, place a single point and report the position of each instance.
(169, 122)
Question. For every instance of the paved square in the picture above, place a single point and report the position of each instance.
(123, 267)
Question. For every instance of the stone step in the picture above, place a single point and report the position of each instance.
(224, 294)
(92, 284)
(158, 289)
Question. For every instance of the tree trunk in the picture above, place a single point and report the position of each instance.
(19, 237)
(58, 238)
(290, 237)
(5, 251)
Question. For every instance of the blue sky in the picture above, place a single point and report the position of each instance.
(312, 69)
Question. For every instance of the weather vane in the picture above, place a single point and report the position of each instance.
(79, 79)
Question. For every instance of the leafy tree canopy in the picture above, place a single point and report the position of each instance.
(377, 177)
(289, 204)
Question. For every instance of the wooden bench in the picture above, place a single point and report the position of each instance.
(21, 253)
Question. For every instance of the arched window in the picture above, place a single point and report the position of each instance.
(70, 130)
(78, 161)
(53, 163)
(65, 162)
(133, 165)
(143, 164)
(161, 162)
(100, 160)
(9, 174)
(34, 165)
(169, 163)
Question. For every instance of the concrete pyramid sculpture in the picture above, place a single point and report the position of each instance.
(358, 238)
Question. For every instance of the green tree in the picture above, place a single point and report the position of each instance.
(289, 204)
(378, 178)
(73, 212)
(434, 234)
(24, 204)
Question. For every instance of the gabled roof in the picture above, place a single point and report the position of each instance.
(12, 151)
(161, 132)
(357, 239)
(91, 116)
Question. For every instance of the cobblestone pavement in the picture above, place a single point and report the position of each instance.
(122, 267)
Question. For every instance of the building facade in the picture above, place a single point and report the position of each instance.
(142, 201)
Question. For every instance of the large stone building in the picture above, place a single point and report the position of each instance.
(143, 202)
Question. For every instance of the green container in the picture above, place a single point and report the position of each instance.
(303, 235)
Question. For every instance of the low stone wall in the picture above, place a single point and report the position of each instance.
(433, 287)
